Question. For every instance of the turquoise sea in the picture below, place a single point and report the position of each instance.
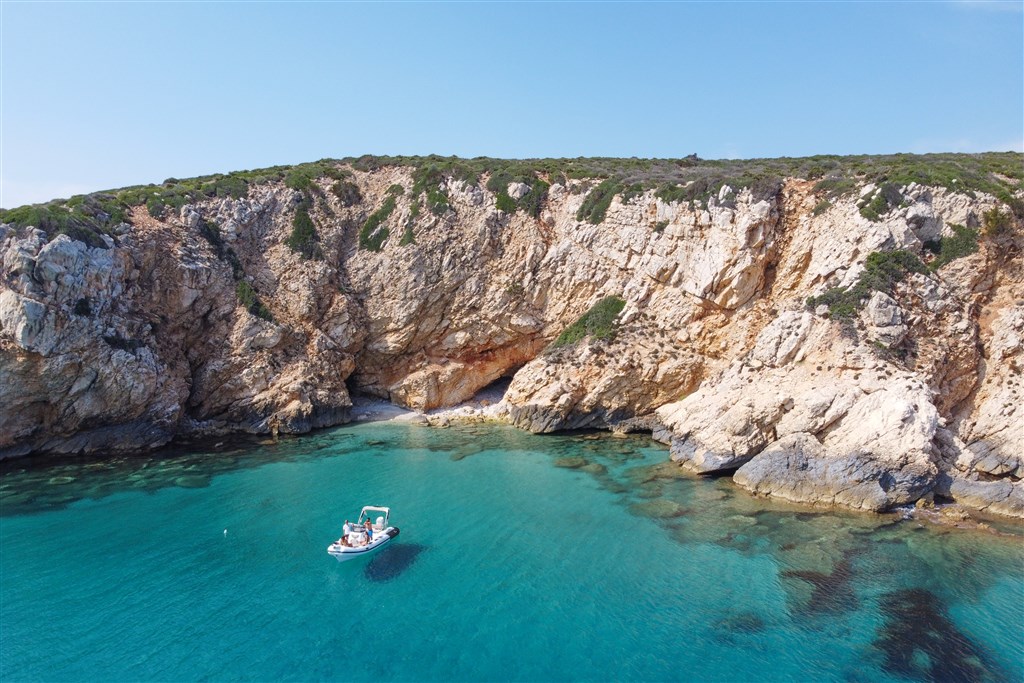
(521, 558)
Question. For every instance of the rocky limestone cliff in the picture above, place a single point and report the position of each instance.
(917, 394)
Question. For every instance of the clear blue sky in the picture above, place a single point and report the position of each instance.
(101, 95)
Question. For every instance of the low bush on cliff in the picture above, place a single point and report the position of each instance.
(408, 236)
(996, 223)
(882, 270)
(84, 221)
(599, 322)
(762, 186)
(884, 199)
(374, 233)
(304, 239)
(429, 180)
(530, 203)
(347, 192)
(999, 174)
(834, 187)
(597, 201)
(964, 242)
(303, 176)
(251, 302)
(821, 207)
(210, 231)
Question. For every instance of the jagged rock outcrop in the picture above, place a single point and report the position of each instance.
(206, 321)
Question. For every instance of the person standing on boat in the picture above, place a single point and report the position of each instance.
(369, 531)
(344, 534)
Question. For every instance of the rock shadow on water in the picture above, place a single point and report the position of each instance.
(919, 642)
(392, 561)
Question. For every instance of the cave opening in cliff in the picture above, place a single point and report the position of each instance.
(495, 391)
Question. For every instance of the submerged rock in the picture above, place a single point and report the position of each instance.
(659, 508)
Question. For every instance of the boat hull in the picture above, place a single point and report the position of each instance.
(345, 553)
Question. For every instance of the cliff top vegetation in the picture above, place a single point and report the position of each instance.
(1001, 174)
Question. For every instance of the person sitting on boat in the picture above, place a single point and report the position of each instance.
(369, 531)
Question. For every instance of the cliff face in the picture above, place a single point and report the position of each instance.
(913, 392)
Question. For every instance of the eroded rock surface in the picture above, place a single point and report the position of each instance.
(918, 393)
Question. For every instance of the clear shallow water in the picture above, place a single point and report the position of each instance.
(508, 567)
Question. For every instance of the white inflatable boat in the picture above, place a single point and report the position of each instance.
(363, 537)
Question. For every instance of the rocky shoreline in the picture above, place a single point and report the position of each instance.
(819, 348)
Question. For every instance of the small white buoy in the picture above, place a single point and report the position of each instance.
(225, 532)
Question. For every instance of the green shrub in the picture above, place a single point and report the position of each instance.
(599, 322)
(672, 194)
(347, 192)
(821, 207)
(660, 226)
(996, 223)
(533, 201)
(505, 202)
(251, 302)
(886, 198)
(558, 179)
(631, 192)
(210, 231)
(155, 206)
(396, 190)
(834, 187)
(964, 242)
(373, 234)
(226, 186)
(762, 186)
(437, 202)
(298, 180)
(303, 176)
(84, 223)
(597, 201)
(882, 270)
(407, 237)
(429, 179)
(304, 239)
